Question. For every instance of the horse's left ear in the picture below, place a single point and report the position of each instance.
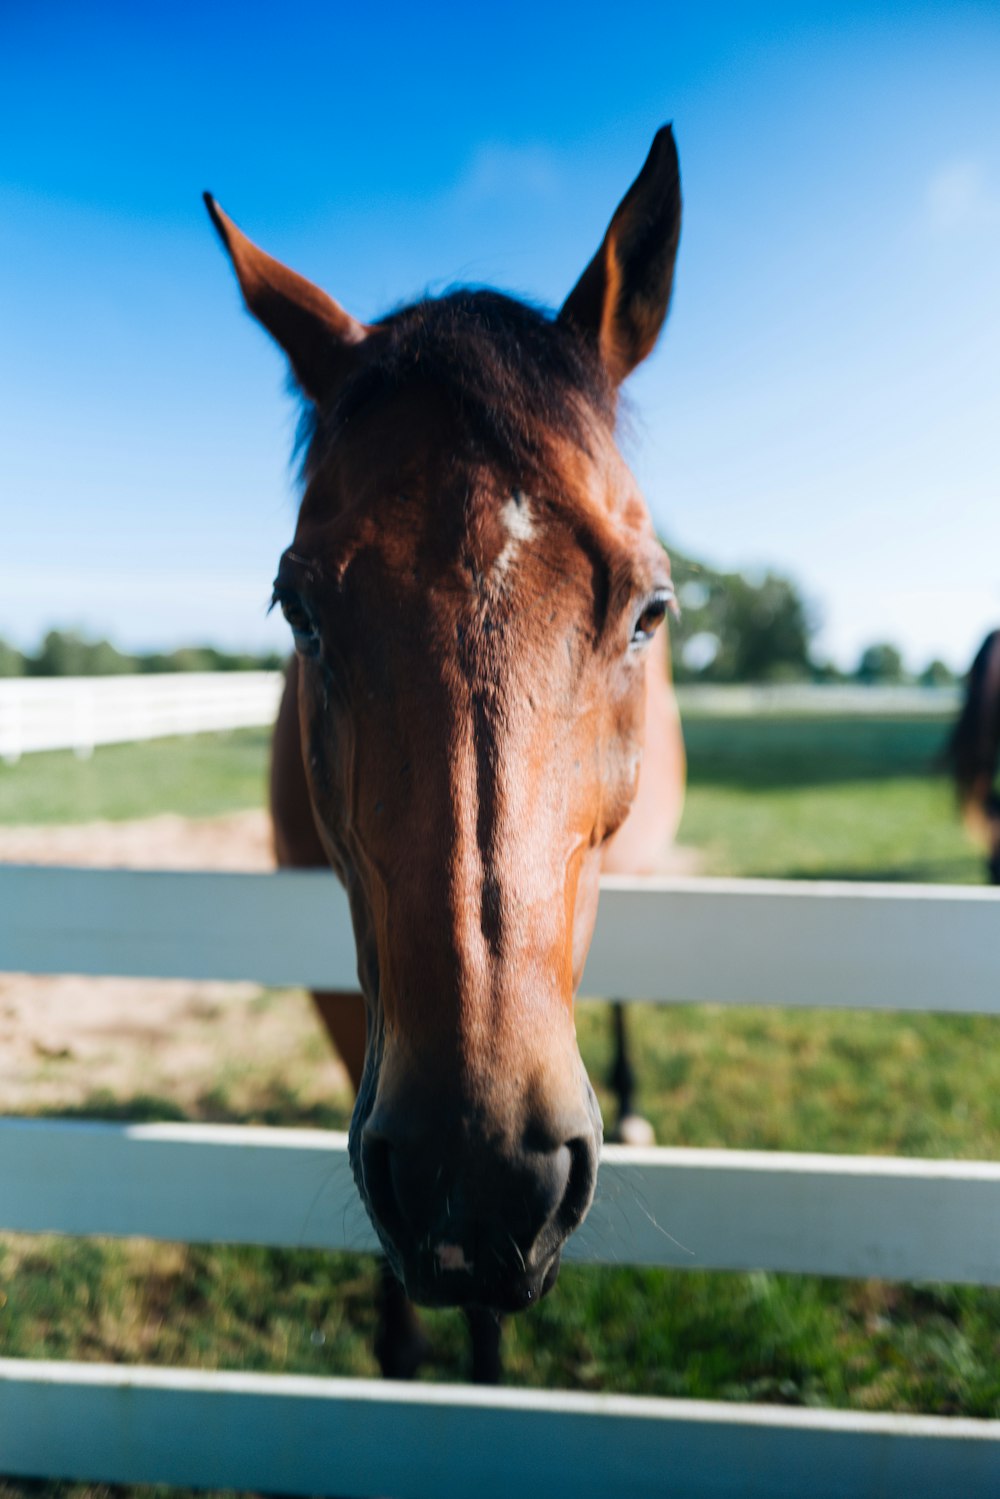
(319, 337)
(621, 299)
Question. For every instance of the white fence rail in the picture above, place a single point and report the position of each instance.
(831, 945)
(809, 699)
(686, 1209)
(321, 1436)
(78, 713)
(731, 942)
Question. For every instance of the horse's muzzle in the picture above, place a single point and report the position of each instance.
(465, 1223)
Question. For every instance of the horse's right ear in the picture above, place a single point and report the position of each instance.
(319, 337)
(621, 300)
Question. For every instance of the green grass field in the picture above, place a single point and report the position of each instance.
(850, 799)
(203, 776)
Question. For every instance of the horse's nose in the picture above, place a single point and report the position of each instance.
(478, 1225)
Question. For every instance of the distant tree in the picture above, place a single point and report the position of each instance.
(766, 634)
(12, 662)
(738, 629)
(105, 660)
(64, 653)
(826, 671)
(193, 658)
(59, 655)
(155, 662)
(936, 674)
(208, 658)
(880, 663)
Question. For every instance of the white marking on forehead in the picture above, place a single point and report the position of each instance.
(516, 516)
(451, 1257)
(517, 520)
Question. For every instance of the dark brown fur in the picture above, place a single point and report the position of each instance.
(974, 749)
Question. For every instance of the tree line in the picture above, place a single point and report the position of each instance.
(735, 627)
(65, 653)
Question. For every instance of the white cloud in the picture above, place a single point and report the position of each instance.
(960, 197)
(498, 171)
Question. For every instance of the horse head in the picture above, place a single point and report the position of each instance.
(472, 588)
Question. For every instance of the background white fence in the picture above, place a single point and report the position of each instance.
(731, 942)
(44, 713)
(78, 713)
(833, 699)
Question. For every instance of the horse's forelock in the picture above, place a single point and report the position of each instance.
(516, 378)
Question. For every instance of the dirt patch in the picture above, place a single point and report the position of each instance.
(241, 840)
(200, 1049)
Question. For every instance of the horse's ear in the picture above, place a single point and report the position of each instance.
(319, 337)
(621, 299)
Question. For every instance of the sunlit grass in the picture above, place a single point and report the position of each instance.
(201, 776)
(847, 799)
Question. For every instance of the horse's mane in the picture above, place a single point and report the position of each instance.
(517, 375)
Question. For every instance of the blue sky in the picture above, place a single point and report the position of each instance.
(826, 399)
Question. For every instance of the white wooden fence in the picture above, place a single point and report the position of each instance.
(78, 713)
(817, 699)
(729, 942)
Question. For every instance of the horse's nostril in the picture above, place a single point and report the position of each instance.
(551, 1275)
(374, 1163)
(409, 1197)
(554, 1179)
(378, 1186)
(580, 1186)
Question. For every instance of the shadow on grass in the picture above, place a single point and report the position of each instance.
(783, 753)
(945, 871)
(277, 1106)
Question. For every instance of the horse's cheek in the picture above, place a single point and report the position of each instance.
(585, 913)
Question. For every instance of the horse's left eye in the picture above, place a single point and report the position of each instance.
(652, 616)
(304, 631)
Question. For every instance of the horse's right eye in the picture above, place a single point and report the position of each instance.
(652, 615)
(303, 627)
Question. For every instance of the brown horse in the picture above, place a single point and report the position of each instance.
(474, 587)
(974, 750)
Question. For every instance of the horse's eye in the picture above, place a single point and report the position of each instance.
(304, 631)
(652, 616)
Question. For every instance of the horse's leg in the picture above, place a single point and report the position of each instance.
(486, 1329)
(630, 1128)
(622, 1074)
(343, 1017)
(400, 1344)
